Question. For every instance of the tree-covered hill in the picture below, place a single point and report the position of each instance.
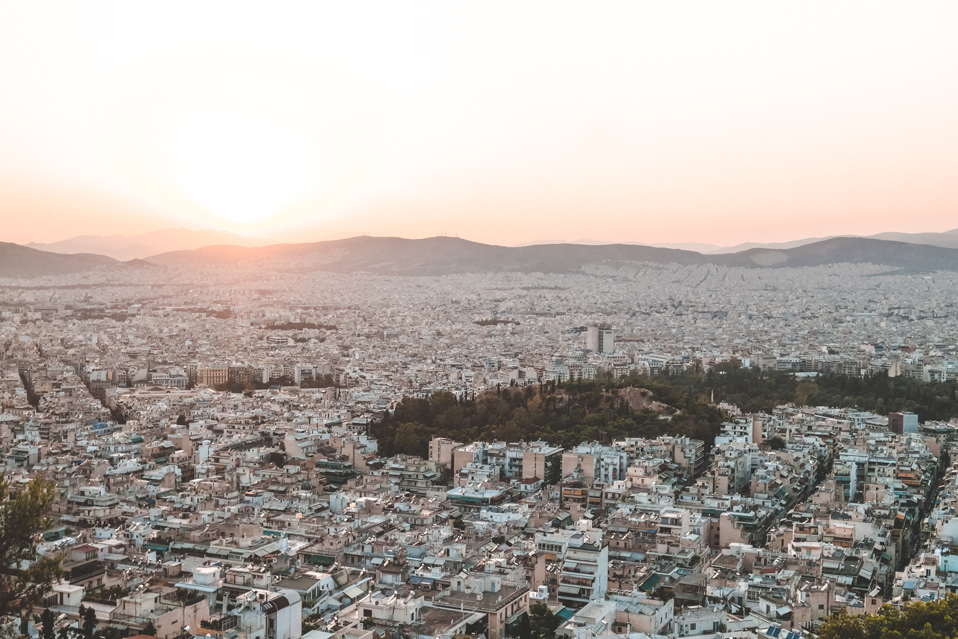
(607, 409)
(753, 390)
(918, 620)
(564, 415)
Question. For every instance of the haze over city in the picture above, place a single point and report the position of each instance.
(514, 123)
(432, 320)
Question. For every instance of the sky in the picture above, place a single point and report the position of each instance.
(500, 122)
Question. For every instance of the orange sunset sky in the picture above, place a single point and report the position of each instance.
(502, 122)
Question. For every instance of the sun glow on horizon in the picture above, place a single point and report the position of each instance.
(242, 171)
(660, 123)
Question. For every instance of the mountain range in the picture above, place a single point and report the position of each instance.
(448, 255)
(23, 261)
(130, 247)
(945, 239)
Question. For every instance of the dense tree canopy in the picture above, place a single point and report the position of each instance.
(538, 623)
(569, 413)
(564, 415)
(754, 390)
(23, 516)
(918, 620)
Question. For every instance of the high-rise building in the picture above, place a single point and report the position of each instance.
(543, 462)
(599, 339)
(584, 575)
(903, 423)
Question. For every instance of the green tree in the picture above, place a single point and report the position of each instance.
(918, 620)
(67, 632)
(313, 622)
(88, 621)
(150, 629)
(47, 620)
(542, 622)
(277, 459)
(805, 393)
(524, 630)
(24, 579)
(409, 439)
(113, 632)
(775, 443)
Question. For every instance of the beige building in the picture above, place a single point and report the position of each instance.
(212, 375)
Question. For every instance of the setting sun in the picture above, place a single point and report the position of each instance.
(315, 120)
(240, 170)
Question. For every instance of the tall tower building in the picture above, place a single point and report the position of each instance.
(599, 339)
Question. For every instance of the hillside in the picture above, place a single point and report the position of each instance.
(446, 255)
(947, 239)
(129, 247)
(915, 619)
(562, 415)
(850, 250)
(22, 261)
(429, 256)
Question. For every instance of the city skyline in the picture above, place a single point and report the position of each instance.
(645, 124)
(478, 321)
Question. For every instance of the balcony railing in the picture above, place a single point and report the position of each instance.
(221, 623)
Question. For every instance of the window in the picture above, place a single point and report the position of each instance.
(691, 626)
(821, 606)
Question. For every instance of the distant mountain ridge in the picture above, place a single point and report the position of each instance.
(947, 239)
(447, 255)
(131, 247)
(23, 261)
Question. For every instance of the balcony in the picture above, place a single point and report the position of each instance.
(576, 582)
(220, 622)
(85, 571)
(583, 570)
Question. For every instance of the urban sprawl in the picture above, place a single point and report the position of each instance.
(211, 438)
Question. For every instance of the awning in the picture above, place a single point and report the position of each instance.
(425, 581)
(354, 592)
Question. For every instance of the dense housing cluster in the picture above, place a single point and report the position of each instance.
(212, 440)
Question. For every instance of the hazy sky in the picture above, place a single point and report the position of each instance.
(504, 122)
